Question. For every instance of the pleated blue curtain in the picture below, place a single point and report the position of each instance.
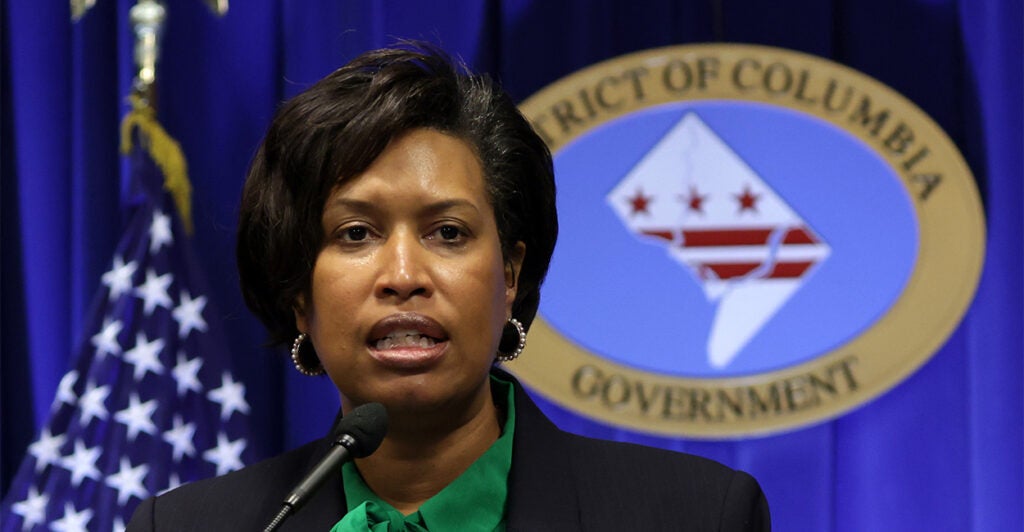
(942, 451)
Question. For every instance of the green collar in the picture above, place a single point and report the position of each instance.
(473, 501)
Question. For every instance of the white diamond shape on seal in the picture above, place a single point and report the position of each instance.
(744, 245)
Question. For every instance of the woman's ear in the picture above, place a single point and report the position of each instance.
(299, 309)
(513, 266)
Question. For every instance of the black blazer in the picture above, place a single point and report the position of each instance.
(558, 482)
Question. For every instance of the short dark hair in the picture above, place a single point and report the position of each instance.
(335, 129)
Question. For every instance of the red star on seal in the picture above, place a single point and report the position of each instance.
(748, 200)
(639, 202)
(695, 201)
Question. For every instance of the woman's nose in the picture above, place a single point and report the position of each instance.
(403, 269)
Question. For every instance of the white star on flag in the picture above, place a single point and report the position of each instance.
(128, 481)
(226, 455)
(189, 314)
(33, 509)
(92, 404)
(186, 374)
(119, 278)
(46, 450)
(138, 417)
(154, 292)
(73, 520)
(145, 356)
(231, 396)
(65, 390)
(160, 232)
(82, 463)
(180, 437)
(745, 246)
(105, 341)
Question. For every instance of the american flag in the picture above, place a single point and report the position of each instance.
(150, 402)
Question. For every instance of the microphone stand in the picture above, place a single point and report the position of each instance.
(359, 435)
(338, 455)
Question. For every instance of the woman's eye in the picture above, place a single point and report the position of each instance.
(449, 232)
(354, 234)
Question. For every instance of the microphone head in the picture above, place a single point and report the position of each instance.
(366, 424)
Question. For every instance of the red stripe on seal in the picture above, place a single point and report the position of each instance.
(660, 233)
(731, 270)
(725, 237)
(800, 235)
(781, 270)
(789, 270)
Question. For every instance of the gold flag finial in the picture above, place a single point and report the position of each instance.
(219, 7)
(80, 7)
(147, 18)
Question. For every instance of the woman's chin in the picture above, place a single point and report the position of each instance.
(422, 395)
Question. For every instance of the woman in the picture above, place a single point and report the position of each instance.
(396, 226)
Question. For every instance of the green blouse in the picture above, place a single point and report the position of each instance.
(475, 501)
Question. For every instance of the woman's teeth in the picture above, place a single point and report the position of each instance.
(404, 339)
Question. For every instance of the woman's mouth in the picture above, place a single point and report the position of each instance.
(407, 341)
(407, 338)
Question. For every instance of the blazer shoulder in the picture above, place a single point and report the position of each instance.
(563, 481)
(620, 479)
(627, 456)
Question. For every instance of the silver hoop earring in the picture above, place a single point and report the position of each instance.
(508, 357)
(297, 360)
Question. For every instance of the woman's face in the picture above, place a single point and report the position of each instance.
(410, 290)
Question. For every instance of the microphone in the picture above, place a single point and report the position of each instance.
(358, 434)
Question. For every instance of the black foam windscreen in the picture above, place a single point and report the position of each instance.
(366, 424)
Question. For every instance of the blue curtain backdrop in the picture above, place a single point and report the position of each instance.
(942, 451)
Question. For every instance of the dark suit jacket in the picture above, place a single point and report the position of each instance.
(558, 482)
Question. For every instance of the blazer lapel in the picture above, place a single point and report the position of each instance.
(327, 506)
(542, 491)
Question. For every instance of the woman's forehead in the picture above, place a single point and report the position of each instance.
(423, 165)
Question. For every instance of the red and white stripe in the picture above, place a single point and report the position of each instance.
(730, 253)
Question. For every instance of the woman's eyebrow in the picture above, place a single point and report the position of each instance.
(448, 205)
(356, 205)
(360, 206)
